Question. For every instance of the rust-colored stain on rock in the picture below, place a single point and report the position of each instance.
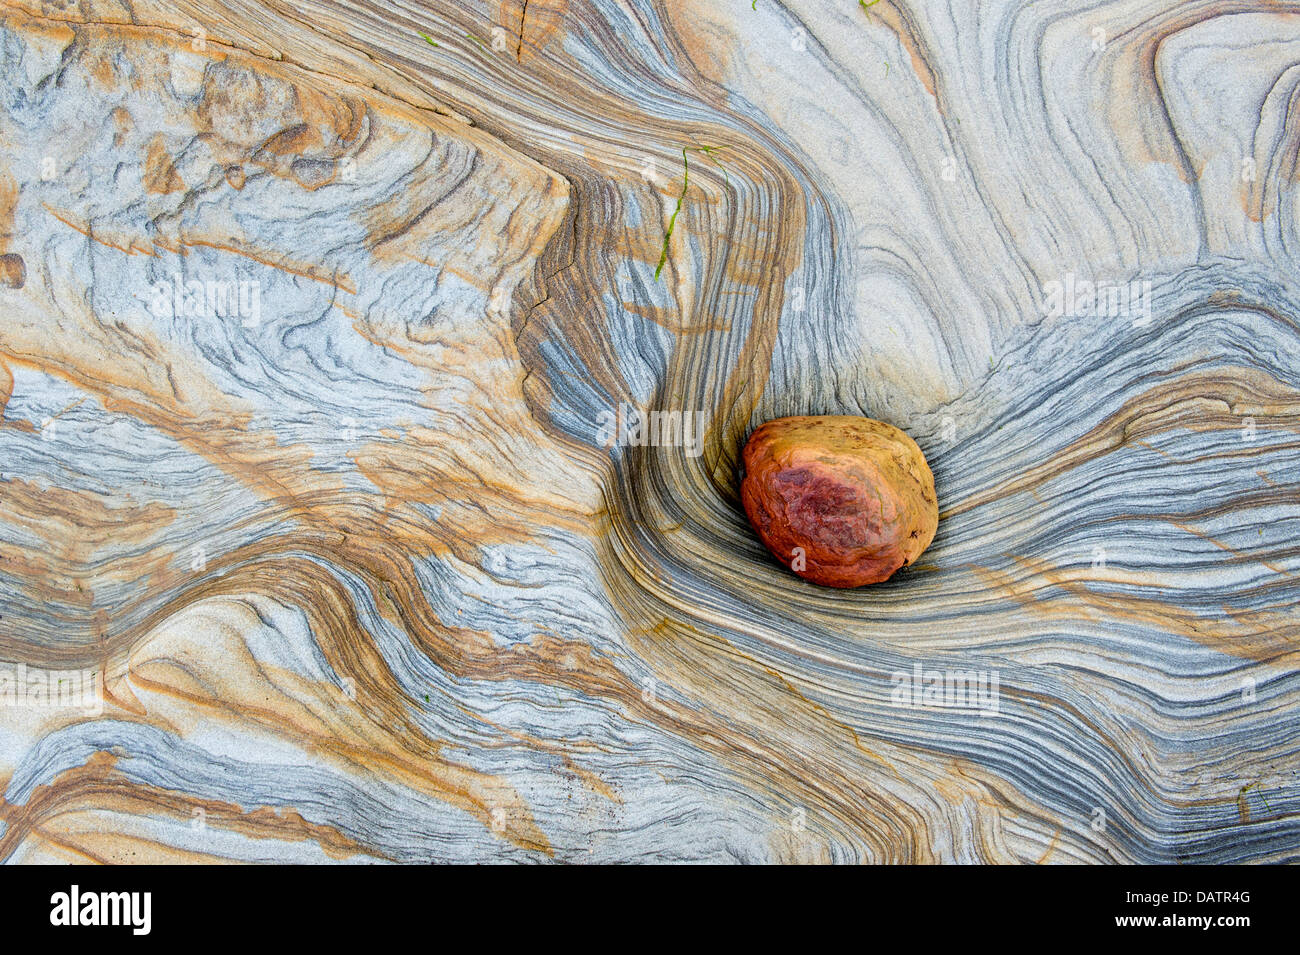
(841, 500)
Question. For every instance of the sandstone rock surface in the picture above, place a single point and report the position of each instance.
(308, 328)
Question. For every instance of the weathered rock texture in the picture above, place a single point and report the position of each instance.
(841, 500)
(365, 579)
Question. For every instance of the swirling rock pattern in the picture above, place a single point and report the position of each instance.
(353, 452)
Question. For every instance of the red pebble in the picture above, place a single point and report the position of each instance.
(841, 500)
